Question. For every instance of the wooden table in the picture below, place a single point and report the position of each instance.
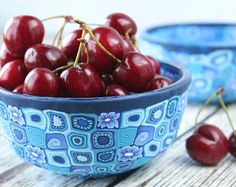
(172, 168)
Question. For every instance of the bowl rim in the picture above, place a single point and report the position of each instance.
(146, 35)
(183, 81)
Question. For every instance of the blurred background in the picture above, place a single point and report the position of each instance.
(145, 13)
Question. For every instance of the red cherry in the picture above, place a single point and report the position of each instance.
(156, 64)
(82, 81)
(122, 23)
(112, 41)
(21, 32)
(44, 56)
(19, 89)
(12, 74)
(127, 47)
(6, 56)
(232, 145)
(107, 78)
(41, 82)
(208, 145)
(159, 82)
(135, 73)
(70, 44)
(115, 90)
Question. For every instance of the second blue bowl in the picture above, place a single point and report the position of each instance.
(207, 50)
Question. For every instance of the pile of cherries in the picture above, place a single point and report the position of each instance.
(209, 145)
(102, 61)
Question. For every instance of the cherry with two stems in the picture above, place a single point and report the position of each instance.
(208, 145)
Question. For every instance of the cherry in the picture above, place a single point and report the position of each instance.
(156, 64)
(122, 23)
(19, 89)
(41, 82)
(159, 82)
(21, 32)
(70, 44)
(6, 56)
(127, 47)
(208, 145)
(44, 56)
(12, 74)
(112, 41)
(135, 73)
(82, 81)
(115, 90)
(107, 78)
(232, 145)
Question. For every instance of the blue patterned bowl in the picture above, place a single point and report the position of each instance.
(207, 50)
(92, 137)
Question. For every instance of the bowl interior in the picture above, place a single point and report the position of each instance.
(194, 34)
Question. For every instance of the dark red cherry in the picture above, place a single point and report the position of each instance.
(135, 73)
(122, 23)
(112, 41)
(41, 82)
(82, 81)
(70, 44)
(127, 47)
(232, 145)
(12, 74)
(44, 56)
(107, 78)
(21, 32)
(6, 56)
(115, 90)
(159, 82)
(19, 89)
(156, 64)
(208, 145)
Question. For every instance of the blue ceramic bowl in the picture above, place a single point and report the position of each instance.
(207, 50)
(91, 137)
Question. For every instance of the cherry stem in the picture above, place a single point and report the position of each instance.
(58, 17)
(134, 41)
(59, 34)
(226, 111)
(204, 105)
(79, 49)
(88, 30)
(62, 67)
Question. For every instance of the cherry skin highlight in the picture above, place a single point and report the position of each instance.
(41, 82)
(21, 32)
(12, 74)
(135, 73)
(70, 44)
(82, 81)
(44, 56)
(122, 23)
(115, 90)
(208, 145)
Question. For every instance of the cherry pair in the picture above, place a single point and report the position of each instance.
(208, 145)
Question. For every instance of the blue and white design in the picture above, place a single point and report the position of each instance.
(57, 121)
(133, 118)
(103, 139)
(106, 156)
(35, 154)
(207, 50)
(130, 153)
(83, 121)
(16, 115)
(92, 144)
(108, 120)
